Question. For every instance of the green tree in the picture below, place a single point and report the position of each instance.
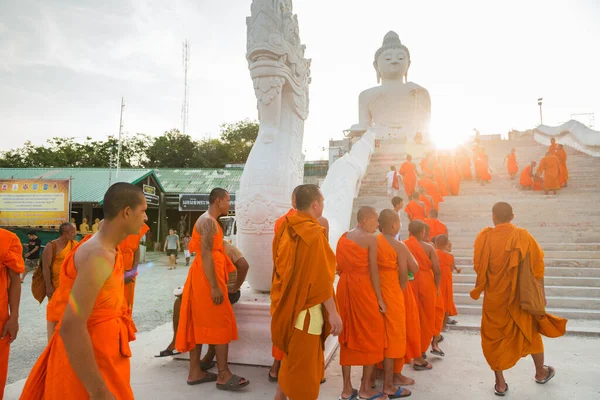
(211, 153)
(172, 150)
(238, 138)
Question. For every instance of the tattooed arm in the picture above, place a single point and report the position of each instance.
(208, 229)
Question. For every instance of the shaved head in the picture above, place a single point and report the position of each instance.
(415, 196)
(215, 194)
(120, 196)
(306, 195)
(365, 212)
(441, 241)
(408, 157)
(502, 213)
(548, 153)
(416, 228)
(387, 218)
(433, 213)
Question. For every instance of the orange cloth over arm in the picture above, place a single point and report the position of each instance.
(508, 332)
(431, 189)
(11, 258)
(201, 321)
(395, 316)
(299, 285)
(128, 248)
(436, 227)
(413, 324)
(550, 167)
(563, 170)
(526, 177)
(414, 210)
(446, 289)
(428, 204)
(110, 329)
(511, 164)
(426, 293)
(363, 337)
(408, 170)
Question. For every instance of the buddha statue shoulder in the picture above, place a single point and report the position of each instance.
(395, 109)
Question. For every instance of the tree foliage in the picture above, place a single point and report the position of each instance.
(170, 150)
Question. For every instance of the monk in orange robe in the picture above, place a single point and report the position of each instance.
(408, 171)
(303, 305)
(436, 227)
(131, 257)
(425, 285)
(438, 175)
(415, 209)
(481, 166)
(553, 146)
(465, 166)
(426, 200)
(511, 164)
(529, 181)
(53, 256)
(564, 171)
(394, 261)
(79, 361)
(361, 303)
(508, 332)
(11, 266)
(206, 315)
(453, 175)
(427, 165)
(550, 168)
(447, 266)
(432, 190)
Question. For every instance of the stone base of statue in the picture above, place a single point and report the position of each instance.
(254, 346)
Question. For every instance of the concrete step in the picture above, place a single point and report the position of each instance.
(581, 281)
(549, 262)
(556, 291)
(564, 312)
(577, 302)
(548, 254)
(554, 271)
(461, 243)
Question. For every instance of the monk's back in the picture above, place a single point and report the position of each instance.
(499, 278)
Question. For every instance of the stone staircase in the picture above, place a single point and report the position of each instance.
(567, 226)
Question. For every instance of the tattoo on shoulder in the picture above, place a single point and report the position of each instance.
(208, 230)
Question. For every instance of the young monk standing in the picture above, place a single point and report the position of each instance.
(426, 200)
(408, 171)
(511, 164)
(130, 249)
(508, 332)
(550, 168)
(425, 285)
(11, 266)
(88, 355)
(447, 266)
(206, 313)
(394, 260)
(564, 171)
(303, 304)
(415, 209)
(436, 227)
(360, 300)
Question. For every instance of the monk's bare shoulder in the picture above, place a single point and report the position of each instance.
(92, 255)
(208, 229)
(401, 247)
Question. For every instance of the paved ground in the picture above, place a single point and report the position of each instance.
(462, 374)
(153, 307)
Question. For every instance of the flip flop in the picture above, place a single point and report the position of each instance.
(323, 381)
(377, 396)
(209, 377)
(438, 352)
(272, 378)
(167, 353)
(425, 367)
(398, 394)
(352, 397)
(205, 366)
(452, 322)
(498, 393)
(551, 374)
(440, 338)
(233, 383)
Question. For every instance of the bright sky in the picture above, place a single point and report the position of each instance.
(66, 63)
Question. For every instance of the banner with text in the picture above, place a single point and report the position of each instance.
(199, 202)
(34, 202)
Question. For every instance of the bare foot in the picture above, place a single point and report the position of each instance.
(543, 375)
(347, 394)
(367, 393)
(393, 390)
(401, 380)
(196, 375)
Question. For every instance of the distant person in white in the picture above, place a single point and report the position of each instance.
(398, 205)
(391, 179)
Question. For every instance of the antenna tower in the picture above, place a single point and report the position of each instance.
(186, 91)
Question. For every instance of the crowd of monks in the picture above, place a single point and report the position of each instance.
(552, 167)
(391, 304)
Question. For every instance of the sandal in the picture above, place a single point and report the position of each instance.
(234, 383)
(438, 352)
(209, 377)
(353, 396)
(425, 367)
(452, 321)
(498, 393)
(440, 338)
(400, 393)
(551, 374)
(377, 396)
(167, 353)
(205, 366)
(272, 378)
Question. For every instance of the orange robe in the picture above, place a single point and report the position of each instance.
(275, 352)
(511, 164)
(508, 332)
(413, 325)
(201, 321)
(432, 190)
(552, 148)
(465, 167)
(425, 293)
(481, 167)
(564, 171)
(550, 167)
(408, 170)
(111, 330)
(11, 257)
(453, 179)
(363, 337)
(415, 210)
(439, 179)
(436, 227)
(128, 248)
(428, 203)
(426, 166)
(446, 260)
(395, 316)
(301, 285)
(58, 260)
(528, 180)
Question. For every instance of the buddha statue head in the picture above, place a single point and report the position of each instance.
(392, 59)
(97, 220)
(84, 221)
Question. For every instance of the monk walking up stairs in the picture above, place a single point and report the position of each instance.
(415, 209)
(361, 304)
(447, 266)
(510, 269)
(88, 354)
(511, 164)
(436, 227)
(550, 168)
(408, 171)
(304, 310)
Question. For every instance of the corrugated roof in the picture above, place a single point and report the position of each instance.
(203, 180)
(88, 184)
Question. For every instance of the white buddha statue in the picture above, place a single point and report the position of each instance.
(397, 109)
